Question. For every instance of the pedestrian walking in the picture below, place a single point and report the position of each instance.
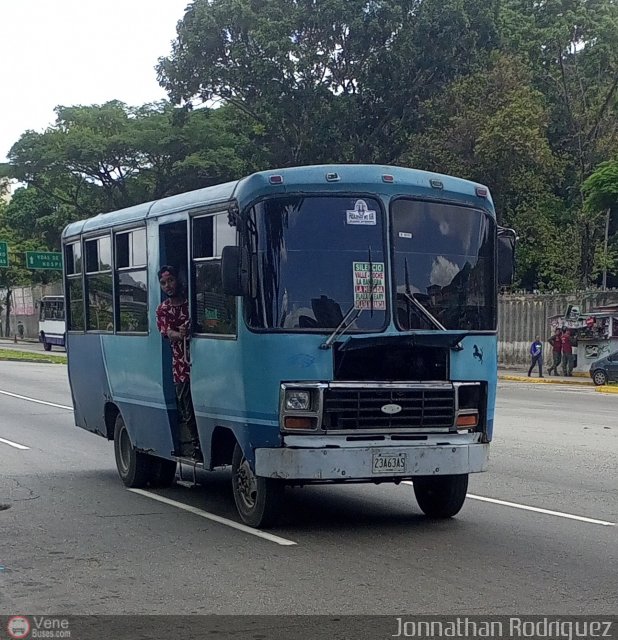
(567, 353)
(536, 356)
(556, 347)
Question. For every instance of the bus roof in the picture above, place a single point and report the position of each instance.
(310, 179)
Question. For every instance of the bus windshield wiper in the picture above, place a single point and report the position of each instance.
(344, 325)
(410, 296)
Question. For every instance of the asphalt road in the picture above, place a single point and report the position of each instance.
(74, 540)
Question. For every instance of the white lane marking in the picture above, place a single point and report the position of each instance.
(560, 514)
(49, 404)
(23, 447)
(211, 516)
(525, 507)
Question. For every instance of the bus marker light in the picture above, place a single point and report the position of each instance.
(276, 179)
(467, 420)
(299, 423)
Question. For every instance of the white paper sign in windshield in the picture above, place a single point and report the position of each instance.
(361, 214)
(363, 282)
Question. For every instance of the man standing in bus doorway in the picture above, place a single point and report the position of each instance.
(556, 347)
(173, 323)
(536, 354)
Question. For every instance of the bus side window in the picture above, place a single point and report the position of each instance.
(75, 292)
(99, 285)
(213, 311)
(131, 282)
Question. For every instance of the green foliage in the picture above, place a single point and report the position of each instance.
(515, 94)
(601, 188)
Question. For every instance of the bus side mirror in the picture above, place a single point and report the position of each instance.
(234, 271)
(507, 239)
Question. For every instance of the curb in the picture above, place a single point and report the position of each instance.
(577, 383)
(607, 389)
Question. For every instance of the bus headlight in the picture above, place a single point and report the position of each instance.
(296, 400)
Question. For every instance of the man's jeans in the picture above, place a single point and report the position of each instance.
(187, 427)
(536, 360)
(567, 364)
(557, 359)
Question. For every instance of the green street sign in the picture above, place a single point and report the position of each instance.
(4, 255)
(44, 260)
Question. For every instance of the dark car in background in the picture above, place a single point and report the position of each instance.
(605, 370)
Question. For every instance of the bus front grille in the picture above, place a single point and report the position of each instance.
(366, 408)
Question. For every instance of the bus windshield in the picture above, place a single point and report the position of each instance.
(444, 260)
(313, 260)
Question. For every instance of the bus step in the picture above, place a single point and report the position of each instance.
(193, 465)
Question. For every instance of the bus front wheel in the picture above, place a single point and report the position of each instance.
(441, 496)
(134, 468)
(258, 500)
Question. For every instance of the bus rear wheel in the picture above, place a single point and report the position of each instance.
(441, 496)
(258, 500)
(138, 469)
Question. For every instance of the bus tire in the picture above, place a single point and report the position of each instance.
(441, 496)
(135, 469)
(258, 500)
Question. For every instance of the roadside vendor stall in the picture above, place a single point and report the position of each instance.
(595, 334)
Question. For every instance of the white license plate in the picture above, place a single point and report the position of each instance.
(383, 463)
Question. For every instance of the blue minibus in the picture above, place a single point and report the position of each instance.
(343, 330)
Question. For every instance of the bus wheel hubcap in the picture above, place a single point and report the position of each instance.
(247, 484)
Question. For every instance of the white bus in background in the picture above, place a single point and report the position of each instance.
(52, 325)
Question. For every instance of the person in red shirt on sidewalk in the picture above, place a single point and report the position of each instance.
(567, 354)
(173, 323)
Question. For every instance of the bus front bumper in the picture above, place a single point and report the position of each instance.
(370, 463)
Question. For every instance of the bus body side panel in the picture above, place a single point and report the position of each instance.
(136, 371)
(88, 380)
(478, 361)
(218, 390)
(270, 359)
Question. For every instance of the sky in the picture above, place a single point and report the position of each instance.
(70, 52)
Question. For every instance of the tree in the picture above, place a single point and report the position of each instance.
(572, 48)
(338, 82)
(16, 274)
(601, 192)
(100, 158)
(491, 127)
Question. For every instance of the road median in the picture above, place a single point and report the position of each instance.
(11, 355)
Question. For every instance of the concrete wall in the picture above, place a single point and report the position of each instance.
(523, 317)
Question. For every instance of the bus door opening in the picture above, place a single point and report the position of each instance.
(173, 316)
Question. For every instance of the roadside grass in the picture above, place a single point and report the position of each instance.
(26, 356)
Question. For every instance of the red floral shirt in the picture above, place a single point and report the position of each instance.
(173, 317)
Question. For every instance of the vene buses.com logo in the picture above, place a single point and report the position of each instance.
(18, 627)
